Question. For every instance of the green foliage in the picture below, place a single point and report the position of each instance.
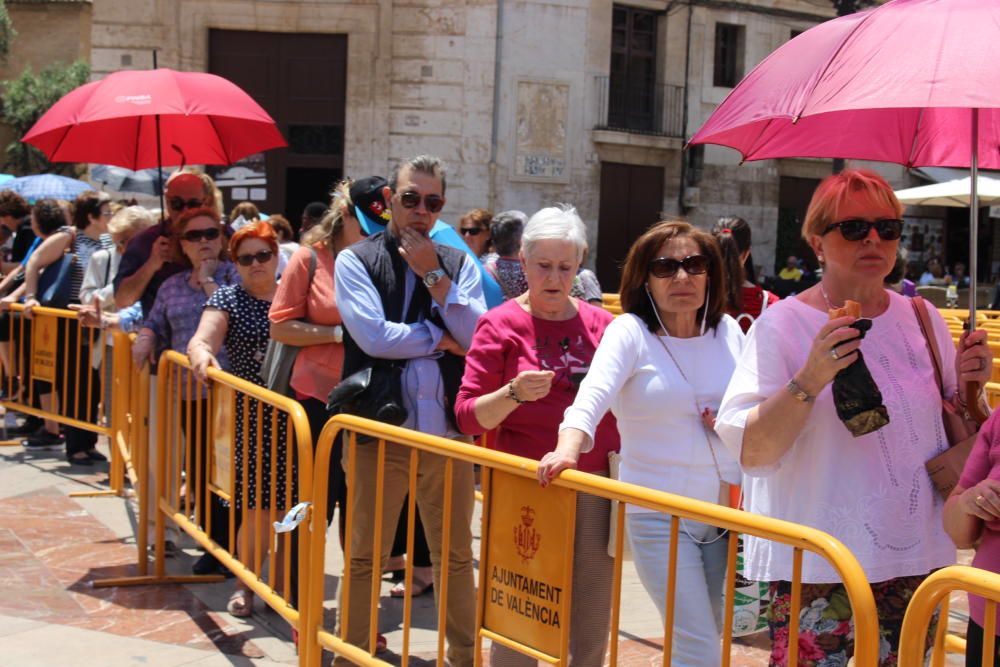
(29, 96)
(7, 32)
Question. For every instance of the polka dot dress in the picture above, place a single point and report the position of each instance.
(246, 343)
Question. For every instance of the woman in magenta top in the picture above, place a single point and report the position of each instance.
(522, 371)
(972, 514)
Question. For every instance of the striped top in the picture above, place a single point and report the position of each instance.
(84, 247)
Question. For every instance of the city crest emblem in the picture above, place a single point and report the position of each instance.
(526, 538)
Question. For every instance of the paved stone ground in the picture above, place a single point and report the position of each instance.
(52, 547)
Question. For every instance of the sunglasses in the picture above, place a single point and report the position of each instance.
(178, 204)
(264, 256)
(195, 235)
(471, 231)
(857, 229)
(433, 203)
(667, 267)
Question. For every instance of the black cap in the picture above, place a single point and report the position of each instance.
(369, 204)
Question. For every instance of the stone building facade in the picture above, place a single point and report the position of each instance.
(530, 102)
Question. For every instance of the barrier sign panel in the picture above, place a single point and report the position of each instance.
(528, 561)
(44, 341)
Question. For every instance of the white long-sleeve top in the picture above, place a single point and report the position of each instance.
(664, 443)
(872, 492)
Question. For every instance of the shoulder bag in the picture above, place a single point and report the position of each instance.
(279, 359)
(55, 283)
(945, 468)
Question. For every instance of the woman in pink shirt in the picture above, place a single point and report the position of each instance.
(305, 314)
(522, 371)
(972, 514)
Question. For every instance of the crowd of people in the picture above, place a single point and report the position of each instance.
(706, 382)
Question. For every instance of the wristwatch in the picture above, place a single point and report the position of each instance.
(432, 278)
(800, 395)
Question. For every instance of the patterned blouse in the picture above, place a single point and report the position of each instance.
(177, 309)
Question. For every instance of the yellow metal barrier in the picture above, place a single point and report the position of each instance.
(200, 445)
(612, 303)
(316, 637)
(932, 594)
(50, 355)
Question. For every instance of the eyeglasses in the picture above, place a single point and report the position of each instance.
(178, 204)
(857, 229)
(471, 231)
(433, 203)
(195, 235)
(667, 267)
(263, 257)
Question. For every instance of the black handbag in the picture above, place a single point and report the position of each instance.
(55, 282)
(374, 393)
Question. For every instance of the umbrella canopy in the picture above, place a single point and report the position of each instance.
(120, 179)
(42, 186)
(894, 84)
(200, 119)
(952, 193)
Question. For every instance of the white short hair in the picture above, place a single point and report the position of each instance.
(555, 223)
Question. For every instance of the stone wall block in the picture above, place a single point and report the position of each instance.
(414, 121)
(428, 21)
(425, 96)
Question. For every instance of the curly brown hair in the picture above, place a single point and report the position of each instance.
(13, 205)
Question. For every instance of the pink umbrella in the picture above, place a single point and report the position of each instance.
(914, 82)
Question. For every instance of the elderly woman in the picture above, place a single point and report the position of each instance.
(97, 293)
(505, 233)
(197, 245)
(236, 316)
(522, 371)
(803, 465)
(78, 392)
(662, 368)
(474, 227)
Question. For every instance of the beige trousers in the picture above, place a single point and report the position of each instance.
(461, 602)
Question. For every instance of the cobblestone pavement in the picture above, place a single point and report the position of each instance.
(52, 548)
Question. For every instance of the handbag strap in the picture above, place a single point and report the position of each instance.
(312, 265)
(697, 406)
(924, 320)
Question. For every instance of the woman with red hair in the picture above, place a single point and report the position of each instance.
(236, 316)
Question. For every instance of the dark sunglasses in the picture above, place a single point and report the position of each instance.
(264, 256)
(471, 231)
(433, 203)
(195, 235)
(667, 267)
(178, 204)
(857, 229)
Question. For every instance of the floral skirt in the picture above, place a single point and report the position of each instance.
(826, 631)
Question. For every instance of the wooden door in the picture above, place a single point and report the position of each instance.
(631, 201)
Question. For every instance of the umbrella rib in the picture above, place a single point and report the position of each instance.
(225, 152)
(916, 133)
(138, 134)
(62, 140)
(829, 62)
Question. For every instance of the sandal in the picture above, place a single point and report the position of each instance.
(241, 603)
(399, 590)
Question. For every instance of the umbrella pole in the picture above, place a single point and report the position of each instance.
(974, 221)
(972, 389)
(159, 168)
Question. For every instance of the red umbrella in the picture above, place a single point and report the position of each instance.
(913, 82)
(200, 119)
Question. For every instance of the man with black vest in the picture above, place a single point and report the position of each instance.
(404, 298)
